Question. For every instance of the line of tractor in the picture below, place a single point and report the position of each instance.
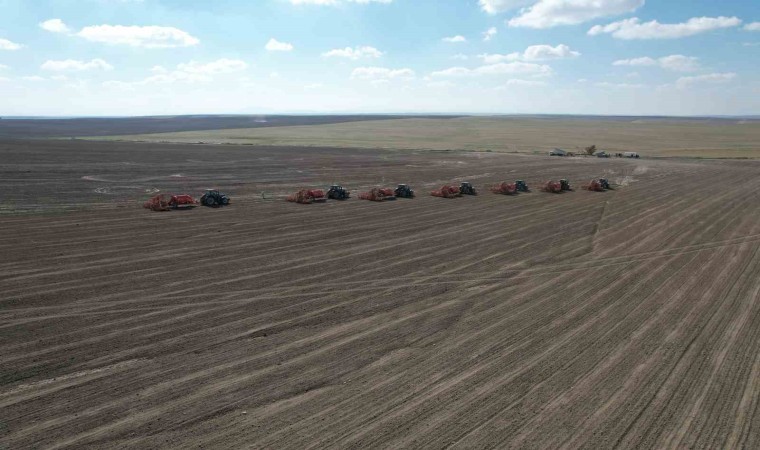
(214, 198)
(337, 192)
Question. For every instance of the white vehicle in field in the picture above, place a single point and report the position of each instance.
(631, 155)
(557, 152)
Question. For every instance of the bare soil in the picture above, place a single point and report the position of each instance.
(652, 137)
(623, 319)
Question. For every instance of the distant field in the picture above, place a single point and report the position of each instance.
(706, 138)
(105, 126)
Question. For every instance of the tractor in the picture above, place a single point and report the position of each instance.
(337, 192)
(598, 185)
(403, 191)
(565, 185)
(466, 188)
(521, 186)
(213, 198)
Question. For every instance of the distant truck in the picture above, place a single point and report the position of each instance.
(630, 154)
(557, 152)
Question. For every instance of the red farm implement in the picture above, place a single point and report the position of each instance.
(376, 195)
(554, 187)
(504, 188)
(160, 203)
(308, 196)
(594, 185)
(446, 191)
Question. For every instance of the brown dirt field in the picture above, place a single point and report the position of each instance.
(661, 137)
(624, 319)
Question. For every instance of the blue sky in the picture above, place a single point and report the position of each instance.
(140, 57)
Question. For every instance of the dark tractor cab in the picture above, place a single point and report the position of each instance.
(522, 186)
(403, 191)
(337, 192)
(604, 183)
(466, 188)
(565, 185)
(214, 198)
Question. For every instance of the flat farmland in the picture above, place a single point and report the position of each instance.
(623, 319)
(662, 137)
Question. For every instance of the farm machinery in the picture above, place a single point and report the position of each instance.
(377, 194)
(555, 187)
(161, 203)
(213, 198)
(521, 186)
(337, 192)
(403, 191)
(466, 188)
(446, 191)
(598, 185)
(308, 196)
(504, 188)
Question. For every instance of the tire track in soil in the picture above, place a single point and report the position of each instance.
(540, 320)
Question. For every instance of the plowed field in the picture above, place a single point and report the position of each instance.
(627, 319)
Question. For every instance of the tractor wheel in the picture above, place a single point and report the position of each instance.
(225, 201)
(210, 201)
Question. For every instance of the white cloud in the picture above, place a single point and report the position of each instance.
(544, 52)
(455, 39)
(754, 26)
(377, 73)
(440, 84)
(522, 83)
(550, 13)
(643, 61)
(461, 57)
(138, 36)
(490, 33)
(499, 6)
(73, 65)
(55, 26)
(354, 53)
(634, 29)
(191, 72)
(493, 58)
(3, 67)
(223, 65)
(5, 44)
(685, 82)
(33, 78)
(533, 53)
(677, 63)
(276, 46)
(496, 69)
(336, 2)
(608, 85)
